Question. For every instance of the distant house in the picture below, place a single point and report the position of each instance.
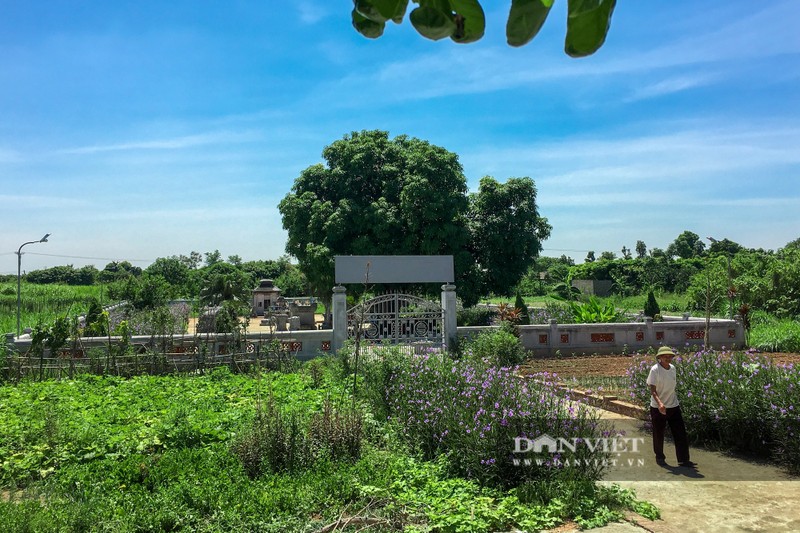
(265, 296)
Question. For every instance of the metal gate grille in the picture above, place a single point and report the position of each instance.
(397, 319)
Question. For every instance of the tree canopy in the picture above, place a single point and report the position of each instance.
(405, 196)
(224, 282)
(463, 21)
(686, 245)
(506, 230)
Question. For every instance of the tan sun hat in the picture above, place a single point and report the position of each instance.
(664, 350)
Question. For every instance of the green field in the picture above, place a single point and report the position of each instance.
(281, 452)
(43, 303)
(669, 302)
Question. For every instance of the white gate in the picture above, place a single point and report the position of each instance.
(397, 319)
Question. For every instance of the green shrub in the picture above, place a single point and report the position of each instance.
(524, 315)
(475, 316)
(594, 312)
(184, 427)
(501, 347)
(651, 307)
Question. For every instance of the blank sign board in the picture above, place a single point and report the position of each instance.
(394, 269)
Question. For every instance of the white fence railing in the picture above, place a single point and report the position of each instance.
(542, 340)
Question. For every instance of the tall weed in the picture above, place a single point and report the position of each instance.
(43, 303)
(275, 441)
(282, 440)
(336, 435)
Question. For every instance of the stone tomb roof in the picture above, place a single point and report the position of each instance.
(266, 285)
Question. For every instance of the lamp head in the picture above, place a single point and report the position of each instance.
(44, 239)
(712, 239)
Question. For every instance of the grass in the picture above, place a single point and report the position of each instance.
(669, 302)
(530, 301)
(43, 303)
(776, 335)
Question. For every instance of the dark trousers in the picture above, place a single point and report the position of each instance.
(678, 429)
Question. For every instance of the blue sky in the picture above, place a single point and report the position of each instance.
(137, 130)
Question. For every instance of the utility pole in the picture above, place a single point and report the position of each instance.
(19, 274)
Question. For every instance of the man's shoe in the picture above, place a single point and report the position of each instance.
(661, 462)
(688, 464)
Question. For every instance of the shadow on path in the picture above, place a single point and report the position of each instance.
(723, 493)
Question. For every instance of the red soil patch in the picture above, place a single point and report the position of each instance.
(608, 365)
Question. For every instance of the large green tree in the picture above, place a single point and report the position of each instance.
(174, 271)
(507, 231)
(223, 282)
(404, 196)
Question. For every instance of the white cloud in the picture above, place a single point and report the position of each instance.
(700, 153)
(671, 85)
(175, 143)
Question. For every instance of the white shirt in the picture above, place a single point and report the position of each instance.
(665, 381)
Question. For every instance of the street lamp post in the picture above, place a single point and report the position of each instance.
(19, 274)
(730, 278)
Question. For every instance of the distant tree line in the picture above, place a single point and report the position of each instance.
(760, 279)
(207, 278)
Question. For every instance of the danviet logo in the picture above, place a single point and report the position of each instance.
(561, 445)
(560, 452)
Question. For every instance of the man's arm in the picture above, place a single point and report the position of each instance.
(661, 408)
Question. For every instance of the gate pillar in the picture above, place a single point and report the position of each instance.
(449, 323)
(339, 317)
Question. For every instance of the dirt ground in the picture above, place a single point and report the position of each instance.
(608, 365)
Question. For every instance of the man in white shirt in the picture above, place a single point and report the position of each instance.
(665, 409)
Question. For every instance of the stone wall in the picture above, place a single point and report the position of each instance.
(542, 340)
(586, 339)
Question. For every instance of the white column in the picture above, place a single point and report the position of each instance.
(551, 337)
(449, 323)
(649, 332)
(339, 317)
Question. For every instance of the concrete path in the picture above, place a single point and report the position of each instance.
(723, 494)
